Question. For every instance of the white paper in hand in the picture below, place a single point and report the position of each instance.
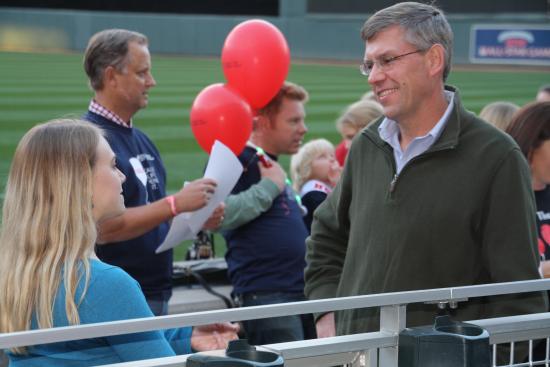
(225, 168)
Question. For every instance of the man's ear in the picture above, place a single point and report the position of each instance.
(436, 59)
(260, 123)
(109, 76)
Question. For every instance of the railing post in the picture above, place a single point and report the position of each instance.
(392, 320)
(371, 358)
(367, 358)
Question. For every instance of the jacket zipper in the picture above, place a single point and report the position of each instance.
(393, 182)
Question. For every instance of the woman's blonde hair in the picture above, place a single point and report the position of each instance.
(359, 114)
(48, 230)
(300, 163)
(499, 113)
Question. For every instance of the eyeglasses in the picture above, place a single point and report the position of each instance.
(383, 64)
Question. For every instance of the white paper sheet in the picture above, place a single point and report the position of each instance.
(225, 168)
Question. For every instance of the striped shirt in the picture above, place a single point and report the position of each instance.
(103, 111)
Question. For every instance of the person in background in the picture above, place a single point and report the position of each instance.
(314, 173)
(62, 184)
(530, 128)
(354, 118)
(543, 95)
(118, 65)
(266, 252)
(499, 113)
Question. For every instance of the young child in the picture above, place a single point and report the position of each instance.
(314, 172)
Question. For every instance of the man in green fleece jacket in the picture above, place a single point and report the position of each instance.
(431, 196)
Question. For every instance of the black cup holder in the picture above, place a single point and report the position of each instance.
(458, 344)
(238, 354)
(254, 356)
(467, 330)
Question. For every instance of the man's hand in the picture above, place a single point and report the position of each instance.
(214, 336)
(215, 219)
(325, 326)
(275, 173)
(195, 195)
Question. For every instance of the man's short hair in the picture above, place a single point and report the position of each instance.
(108, 48)
(288, 90)
(424, 26)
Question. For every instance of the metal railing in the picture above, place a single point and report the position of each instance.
(368, 349)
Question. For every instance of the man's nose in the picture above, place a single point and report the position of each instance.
(376, 74)
(151, 82)
(122, 176)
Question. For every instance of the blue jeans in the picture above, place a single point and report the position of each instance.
(158, 307)
(276, 329)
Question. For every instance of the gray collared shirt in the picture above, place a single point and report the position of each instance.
(389, 132)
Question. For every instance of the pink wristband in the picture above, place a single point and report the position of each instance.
(172, 202)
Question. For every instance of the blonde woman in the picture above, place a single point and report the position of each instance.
(499, 114)
(354, 118)
(63, 182)
(314, 172)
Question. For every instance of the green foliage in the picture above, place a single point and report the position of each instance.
(39, 87)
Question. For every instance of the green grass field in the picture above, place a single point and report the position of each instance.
(38, 87)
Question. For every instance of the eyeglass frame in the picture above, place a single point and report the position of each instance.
(384, 63)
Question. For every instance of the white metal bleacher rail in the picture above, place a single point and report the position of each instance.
(367, 349)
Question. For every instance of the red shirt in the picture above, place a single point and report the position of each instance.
(341, 152)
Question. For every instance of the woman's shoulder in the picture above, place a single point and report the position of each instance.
(101, 272)
(112, 294)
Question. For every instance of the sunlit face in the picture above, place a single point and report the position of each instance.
(133, 83)
(287, 129)
(348, 132)
(107, 182)
(325, 168)
(540, 166)
(401, 88)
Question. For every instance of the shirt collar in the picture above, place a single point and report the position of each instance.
(389, 128)
(256, 147)
(103, 111)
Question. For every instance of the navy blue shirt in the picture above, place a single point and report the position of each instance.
(267, 253)
(139, 160)
(311, 201)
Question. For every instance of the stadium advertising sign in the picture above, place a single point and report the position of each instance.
(510, 44)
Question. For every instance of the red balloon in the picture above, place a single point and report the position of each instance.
(219, 113)
(255, 60)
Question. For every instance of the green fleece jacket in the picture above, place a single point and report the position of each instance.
(461, 213)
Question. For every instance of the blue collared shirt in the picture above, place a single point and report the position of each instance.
(389, 132)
